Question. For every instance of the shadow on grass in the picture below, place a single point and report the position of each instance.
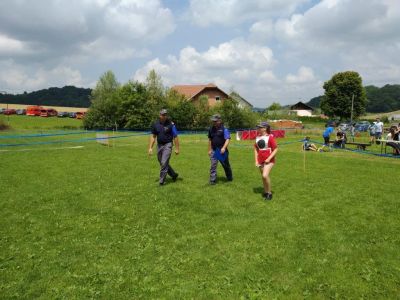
(258, 190)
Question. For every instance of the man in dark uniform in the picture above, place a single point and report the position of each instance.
(218, 141)
(166, 134)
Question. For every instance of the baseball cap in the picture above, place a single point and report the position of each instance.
(216, 117)
(262, 125)
(163, 112)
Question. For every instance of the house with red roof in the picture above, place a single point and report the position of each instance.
(194, 92)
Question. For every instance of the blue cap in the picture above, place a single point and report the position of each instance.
(262, 125)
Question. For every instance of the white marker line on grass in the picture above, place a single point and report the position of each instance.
(41, 149)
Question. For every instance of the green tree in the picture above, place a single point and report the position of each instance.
(134, 110)
(274, 106)
(183, 114)
(232, 114)
(155, 92)
(105, 104)
(203, 113)
(339, 91)
(173, 98)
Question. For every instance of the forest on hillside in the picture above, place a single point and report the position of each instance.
(69, 96)
(379, 100)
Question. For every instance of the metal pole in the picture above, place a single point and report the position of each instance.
(352, 106)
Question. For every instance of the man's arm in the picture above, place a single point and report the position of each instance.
(227, 137)
(151, 144)
(226, 144)
(176, 142)
(209, 147)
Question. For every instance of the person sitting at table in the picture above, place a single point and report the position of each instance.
(394, 140)
(341, 139)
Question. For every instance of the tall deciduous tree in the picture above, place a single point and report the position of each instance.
(155, 91)
(339, 91)
(105, 103)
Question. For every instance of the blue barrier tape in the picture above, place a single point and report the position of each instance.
(40, 135)
(71, 141)
(86, 132)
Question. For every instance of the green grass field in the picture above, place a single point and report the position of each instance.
(92, 222)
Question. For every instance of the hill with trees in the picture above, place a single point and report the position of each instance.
(379, 100)
(69, 96)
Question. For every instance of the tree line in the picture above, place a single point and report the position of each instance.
(136, 105)
(69, 96)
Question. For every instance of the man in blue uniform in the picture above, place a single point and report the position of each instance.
(218, 141)
(165, 132)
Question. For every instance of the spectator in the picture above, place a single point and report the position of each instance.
(308, 146)
(326, 135)
(394, 139)
(372, 132)
(341, 139)
(379, 130)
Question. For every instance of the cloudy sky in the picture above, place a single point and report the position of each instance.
(267, 50)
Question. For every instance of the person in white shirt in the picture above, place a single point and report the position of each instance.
(379, 129)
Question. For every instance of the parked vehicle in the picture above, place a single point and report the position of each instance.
(344, 126)
(21, 111)
(33, 110)
(333, 123)
(80, 115)
(9, 112)
(362, 126)
(72, 115)
(2, 110)
(52, 112)
(44, 113)
(63, 114)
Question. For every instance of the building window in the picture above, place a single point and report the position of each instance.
(217, 98)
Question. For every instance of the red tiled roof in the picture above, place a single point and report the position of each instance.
(189, 91)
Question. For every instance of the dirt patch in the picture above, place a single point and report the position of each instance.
(3, 126)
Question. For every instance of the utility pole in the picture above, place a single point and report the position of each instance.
(352, 107)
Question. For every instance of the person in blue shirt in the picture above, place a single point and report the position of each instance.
(165, 132)
(218, 141)
(330, 128)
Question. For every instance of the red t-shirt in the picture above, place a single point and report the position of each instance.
(264, 146)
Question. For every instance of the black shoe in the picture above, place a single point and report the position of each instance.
(229, 179)
(162, 183)
(268, 196)
(175, 177)
(213, 183)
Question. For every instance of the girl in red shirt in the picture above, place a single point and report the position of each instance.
(265, 150)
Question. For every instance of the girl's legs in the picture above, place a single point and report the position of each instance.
(265, 177)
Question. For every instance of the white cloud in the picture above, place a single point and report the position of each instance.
(90, 28)
(246, 67)
(337, 35)
(233, 12)
(14, 77)
(304, 75)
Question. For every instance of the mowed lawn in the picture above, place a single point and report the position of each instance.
(93, 223)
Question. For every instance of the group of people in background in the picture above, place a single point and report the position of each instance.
(375, 131)
(165, 133)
